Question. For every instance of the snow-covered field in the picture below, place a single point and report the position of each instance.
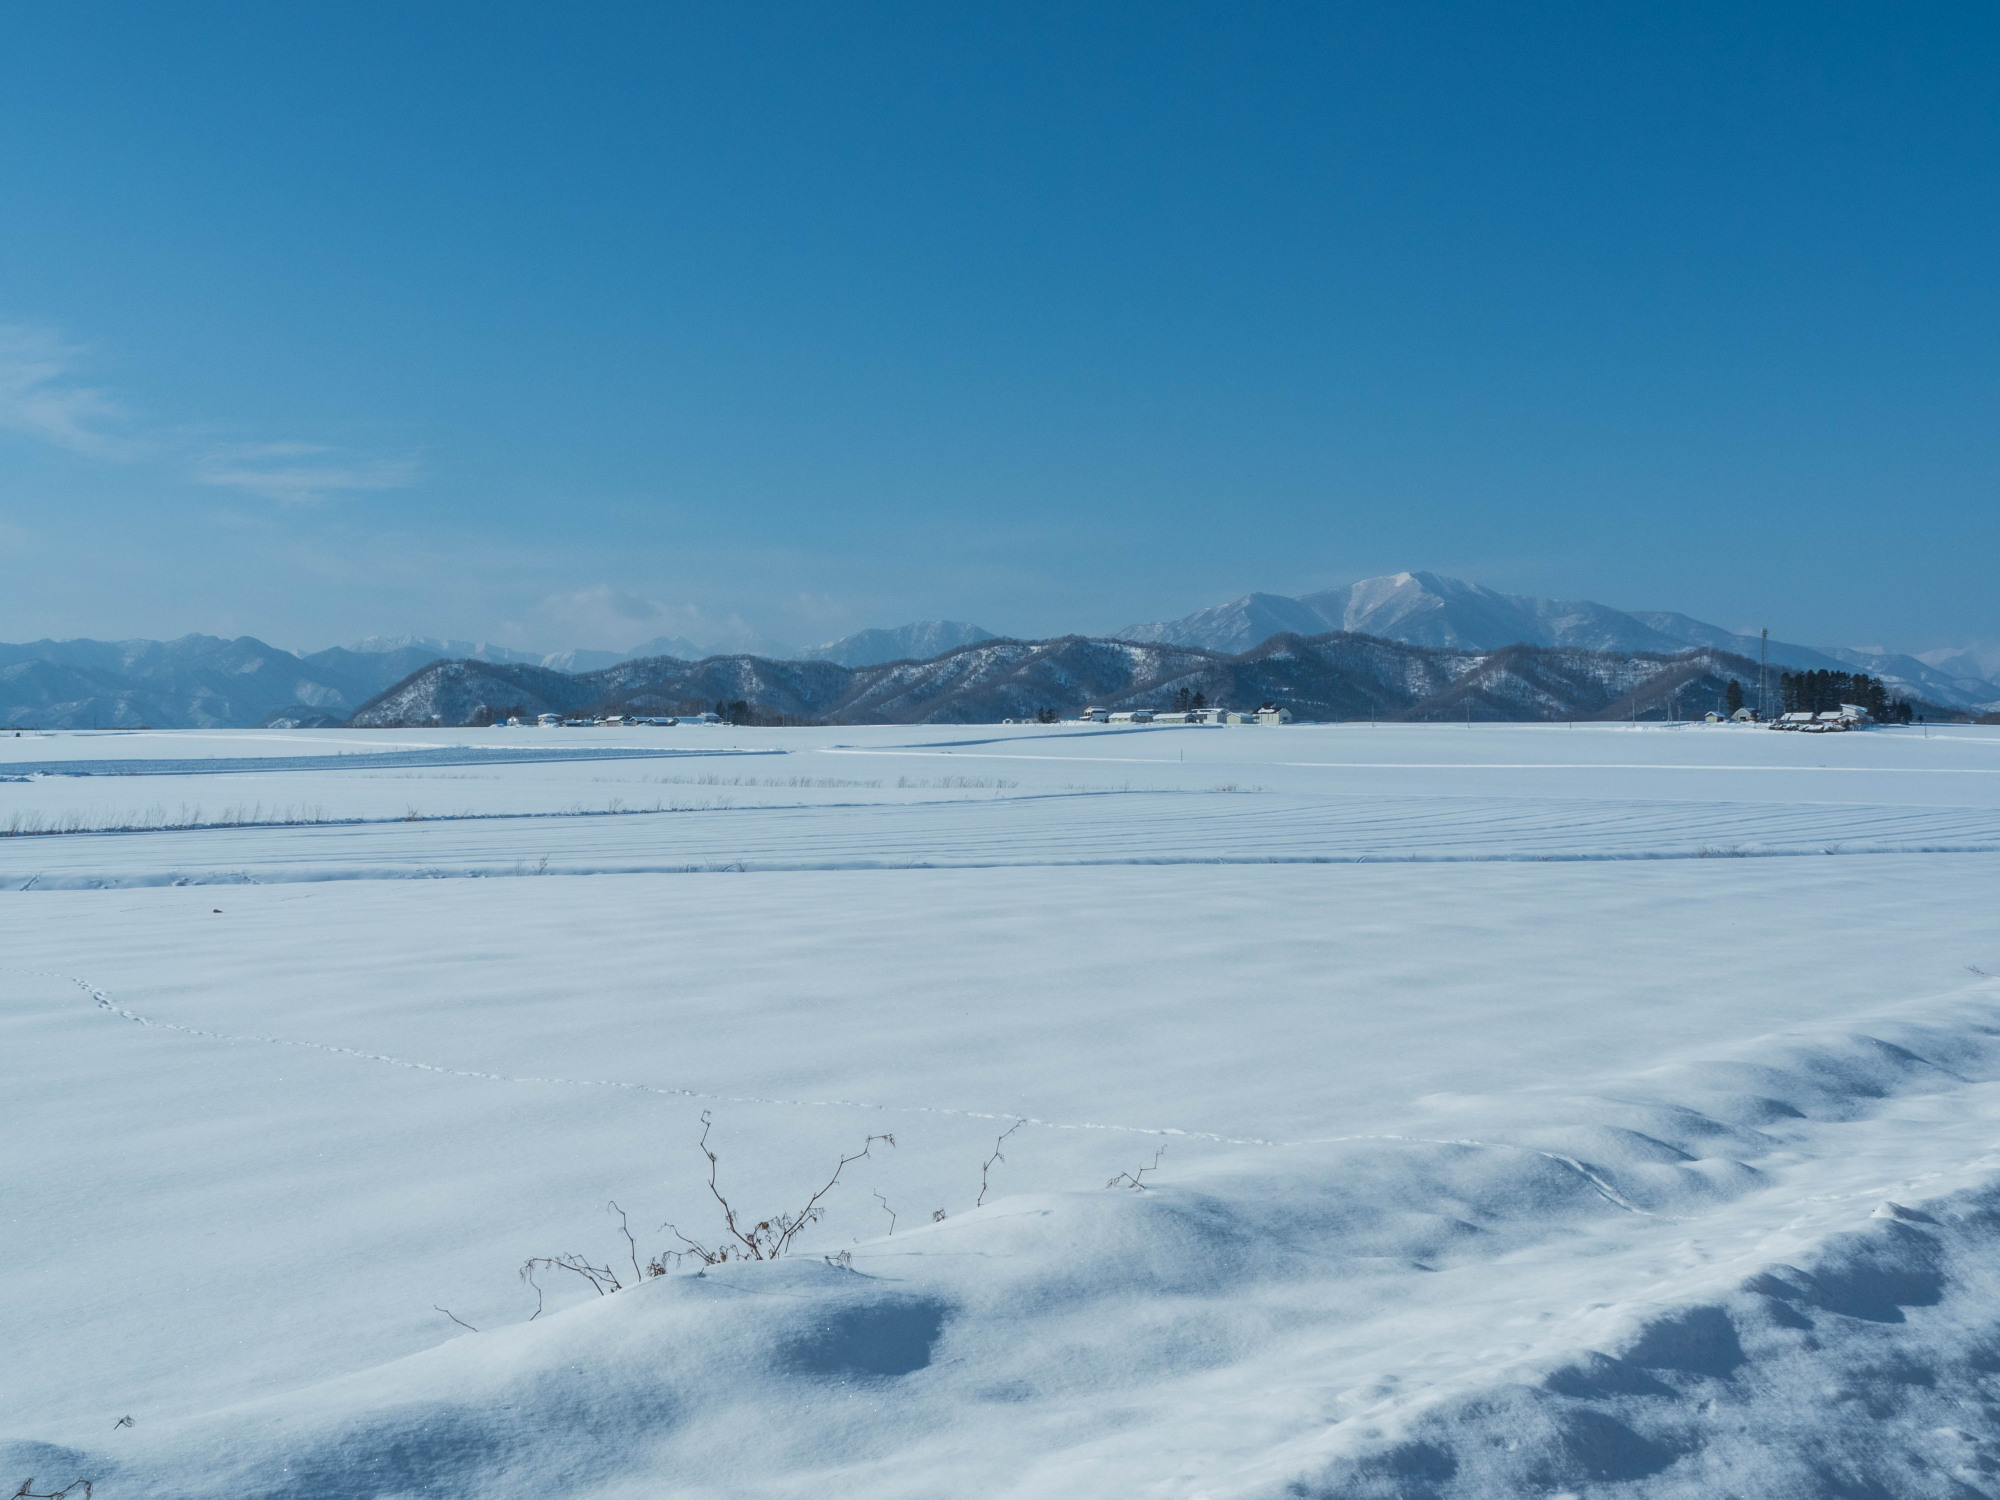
(1545, 1111)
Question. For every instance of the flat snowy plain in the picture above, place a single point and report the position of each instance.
(1545, 1111)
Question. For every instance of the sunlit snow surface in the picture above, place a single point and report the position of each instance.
(1546, 1111)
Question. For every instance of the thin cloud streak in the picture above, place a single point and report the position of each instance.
(42, 398)
(299, 473)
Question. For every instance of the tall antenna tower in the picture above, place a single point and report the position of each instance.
(1764, 676)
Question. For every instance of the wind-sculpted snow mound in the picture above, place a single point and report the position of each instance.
(1853, 1373)
(1768, 1273)
(570, 1404)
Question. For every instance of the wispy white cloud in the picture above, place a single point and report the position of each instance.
(603, 602)
(43, 397)
(299, 473)
(607, 616)
(40, 396)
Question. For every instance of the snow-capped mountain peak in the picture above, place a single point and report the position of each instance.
(1235, 626)
(1428, 609)
(437, 646)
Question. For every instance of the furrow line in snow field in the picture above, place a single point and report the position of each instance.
(306, 874)
(1092, 827)
(365, 760)
(223, 824)
(1425, 765)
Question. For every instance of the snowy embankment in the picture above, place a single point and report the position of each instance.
(1484, 1175)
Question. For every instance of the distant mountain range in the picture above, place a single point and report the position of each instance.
(865, 648)
(1427, 610)
(1329, 676)
(202, 681)
(1979, 660)
(196, 682)
(206, 682)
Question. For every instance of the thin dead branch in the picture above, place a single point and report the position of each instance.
(986, 1167)
(448, 1313)
(603, 1279)
(631, 1245)
(1132, 1179)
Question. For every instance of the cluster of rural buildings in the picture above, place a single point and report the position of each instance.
(1833, 721)
(1847, 716)
(610, 721)
(1270, 713)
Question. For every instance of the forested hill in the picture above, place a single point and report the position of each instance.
(1341, 675)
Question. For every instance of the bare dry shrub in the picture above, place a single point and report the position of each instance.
(767, 1239)
(772, 1237)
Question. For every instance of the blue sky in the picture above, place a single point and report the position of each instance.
(576, 325)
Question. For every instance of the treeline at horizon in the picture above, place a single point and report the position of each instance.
(1824, 691)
